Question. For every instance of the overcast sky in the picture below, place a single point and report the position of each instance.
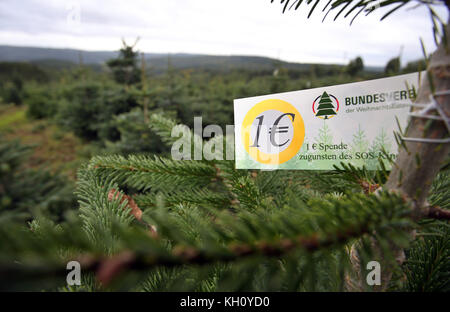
(244, 27)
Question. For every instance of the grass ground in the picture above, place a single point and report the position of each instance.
(53, 148)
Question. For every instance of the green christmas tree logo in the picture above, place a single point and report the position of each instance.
(325, 107)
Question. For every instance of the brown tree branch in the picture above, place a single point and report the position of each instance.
(438, 213)
(107, 269)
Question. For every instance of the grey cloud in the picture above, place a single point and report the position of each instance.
(205, 26)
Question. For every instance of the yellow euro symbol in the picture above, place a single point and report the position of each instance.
(273, 131)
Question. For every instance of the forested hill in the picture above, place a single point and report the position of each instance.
(158, 61)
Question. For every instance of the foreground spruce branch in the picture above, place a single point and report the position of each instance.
(204, 226)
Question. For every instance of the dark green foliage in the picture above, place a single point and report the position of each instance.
(393, 66)
(11, 92)
(136, 136)
(13, 77)
(88, 109)
(441, 185)
(34, 192)
(23, 71)
(428, 260)
(415, 66)
(152, 172)
(41, 102)
(355, 66)
(427, 266)
(124, 68)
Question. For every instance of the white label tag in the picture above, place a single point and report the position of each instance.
(318, 128)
